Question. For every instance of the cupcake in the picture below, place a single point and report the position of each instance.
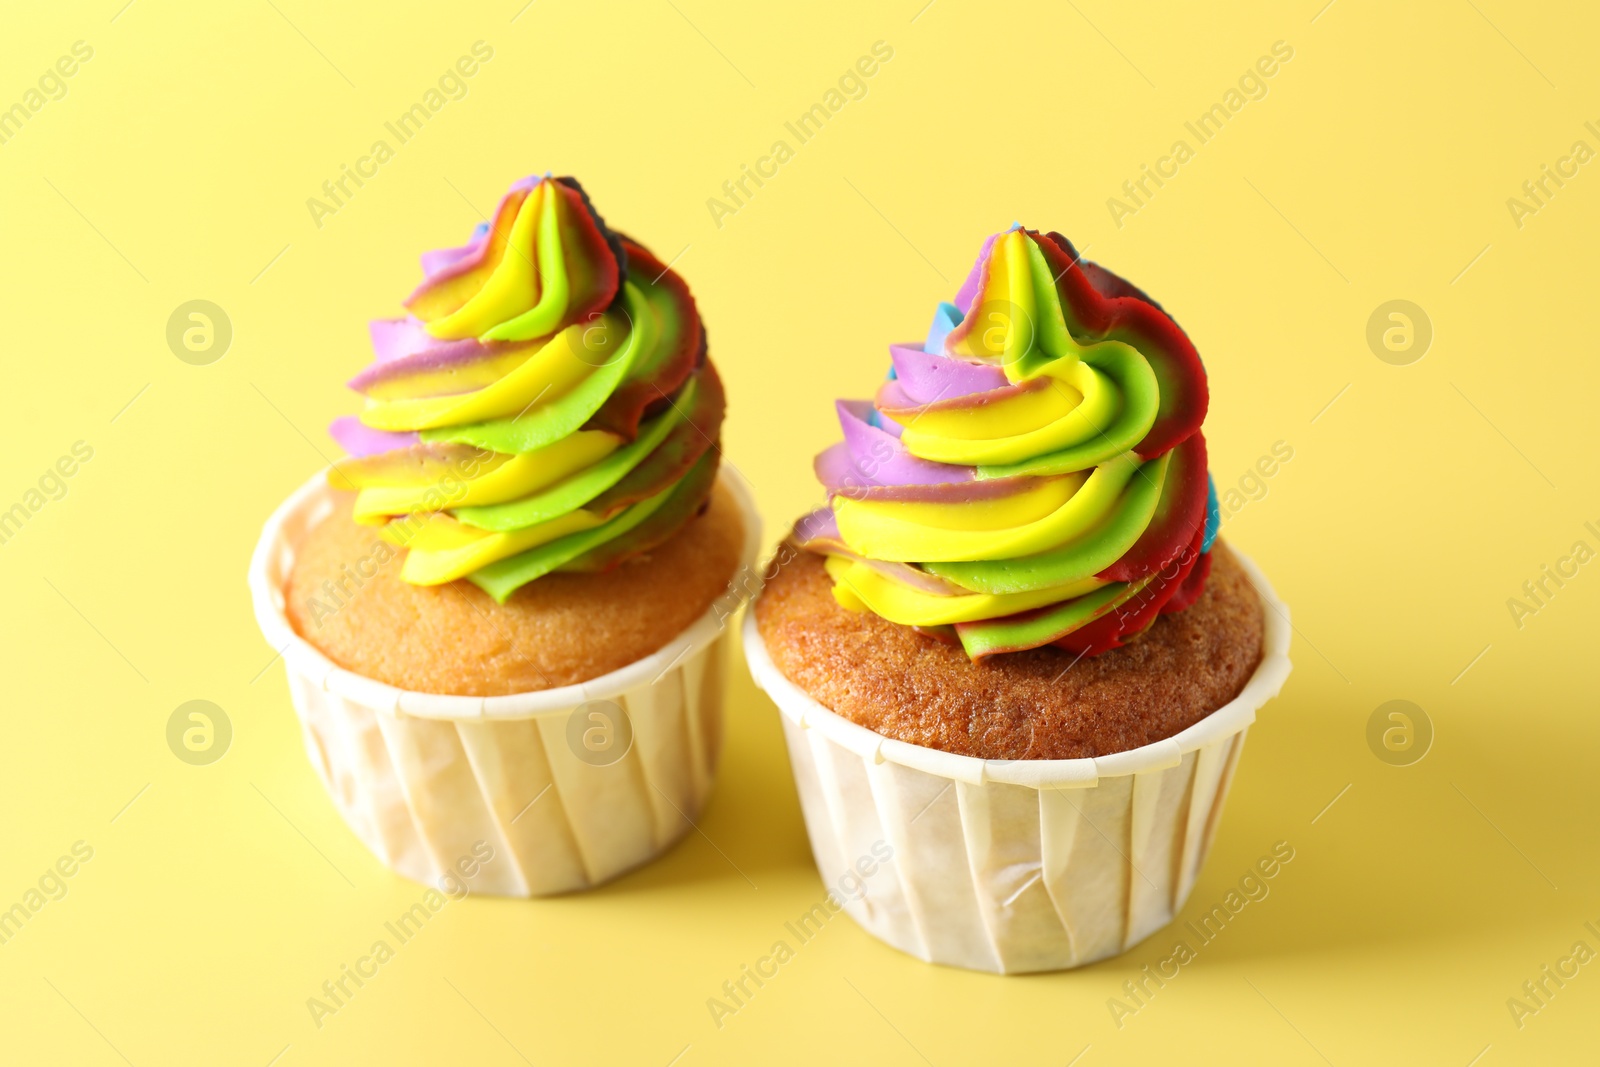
(501, 612)
(1011, 651)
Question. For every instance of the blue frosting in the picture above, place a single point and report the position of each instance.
(1213, 514)
(945, 319)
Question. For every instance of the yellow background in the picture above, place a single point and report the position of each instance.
(1377, 167)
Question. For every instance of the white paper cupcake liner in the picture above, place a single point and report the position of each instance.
(427, 780)
(1013, 866)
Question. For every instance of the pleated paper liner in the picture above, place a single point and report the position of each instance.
(1014, 866)
(431, 784)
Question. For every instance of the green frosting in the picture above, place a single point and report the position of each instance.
(1141, 399)
(578, 490)
(503, 577)
(1076, 560)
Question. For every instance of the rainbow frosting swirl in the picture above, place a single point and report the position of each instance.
(547, 405)
(1034, 473)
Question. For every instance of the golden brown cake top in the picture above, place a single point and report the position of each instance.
(1045, 703)
(346, 597)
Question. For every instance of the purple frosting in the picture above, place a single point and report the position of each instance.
(871, 464)
(920, 492)
(968, 294)
(454, 262)
(360, 440)
(869, 456)
(450, 261)
(819, 525)
(402, 355)
(892, 396)
(441, 259)
(397, 338)
(926, 377)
